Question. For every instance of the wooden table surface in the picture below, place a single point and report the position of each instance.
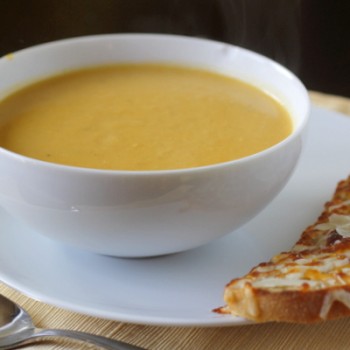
(273, 336)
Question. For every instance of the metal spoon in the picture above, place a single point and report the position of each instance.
(17, 328)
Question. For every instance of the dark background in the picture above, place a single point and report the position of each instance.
(310, 37)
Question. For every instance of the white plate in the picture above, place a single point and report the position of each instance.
(179, 289)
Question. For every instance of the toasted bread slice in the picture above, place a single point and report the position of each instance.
(308, 284)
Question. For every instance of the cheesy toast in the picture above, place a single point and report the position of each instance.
(311, 282)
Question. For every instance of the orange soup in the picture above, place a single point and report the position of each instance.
(141, 117)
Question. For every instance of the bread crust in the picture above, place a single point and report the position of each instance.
(321, 257)
(290, 306)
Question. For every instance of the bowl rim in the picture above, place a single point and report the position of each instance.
(152, 36)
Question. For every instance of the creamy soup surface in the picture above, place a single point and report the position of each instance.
(141, 117)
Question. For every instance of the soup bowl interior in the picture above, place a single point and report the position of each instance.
(147, 213)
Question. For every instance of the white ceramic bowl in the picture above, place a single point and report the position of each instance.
(147, 213)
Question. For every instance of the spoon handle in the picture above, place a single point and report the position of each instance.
(102, 342)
